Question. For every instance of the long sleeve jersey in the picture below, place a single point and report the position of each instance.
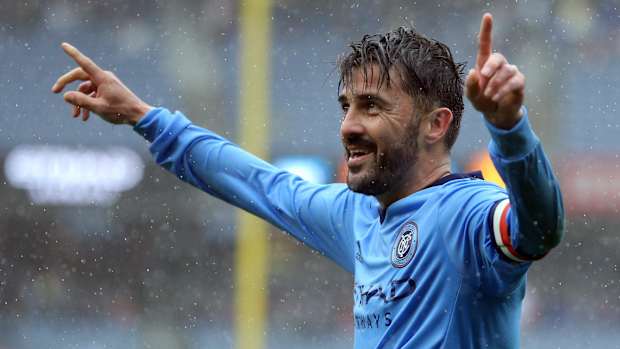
(443, 267)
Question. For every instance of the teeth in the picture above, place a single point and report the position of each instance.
(356, 153)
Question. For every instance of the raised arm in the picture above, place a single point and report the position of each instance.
(318, 215)
(528, 226)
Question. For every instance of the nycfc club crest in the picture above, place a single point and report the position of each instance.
(405, 246)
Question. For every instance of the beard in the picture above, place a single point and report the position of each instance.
(389, 167)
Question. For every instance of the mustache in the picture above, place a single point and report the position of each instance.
(357, 140)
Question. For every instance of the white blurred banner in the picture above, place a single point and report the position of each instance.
(71, 176)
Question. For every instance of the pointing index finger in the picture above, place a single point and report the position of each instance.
(83, 61)
(485, 41)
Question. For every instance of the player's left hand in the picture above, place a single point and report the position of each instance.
(495, 87)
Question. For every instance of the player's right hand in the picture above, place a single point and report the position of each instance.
(100, 92)
(495, 87)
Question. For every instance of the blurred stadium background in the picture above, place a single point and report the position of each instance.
(100, 248)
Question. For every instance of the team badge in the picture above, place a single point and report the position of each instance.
(405, 246)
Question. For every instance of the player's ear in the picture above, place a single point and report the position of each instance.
(437, 122)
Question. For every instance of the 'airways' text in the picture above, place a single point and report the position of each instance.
(371, 321)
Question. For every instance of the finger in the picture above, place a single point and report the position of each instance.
(87, 87)
(82, 100)
(83, 61)
(502, 75)
(484, 40)
(73, 75)
(76, 111)
(516, 86)
(472, 88)
(86, 112)
(495, 62)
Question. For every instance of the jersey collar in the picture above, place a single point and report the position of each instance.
(397, 206)
(453, 176)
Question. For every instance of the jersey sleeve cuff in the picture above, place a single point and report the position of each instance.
(515, 143)
(158, 121)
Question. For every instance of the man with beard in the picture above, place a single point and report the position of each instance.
(439, 259)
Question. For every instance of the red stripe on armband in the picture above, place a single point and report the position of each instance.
(501, 232)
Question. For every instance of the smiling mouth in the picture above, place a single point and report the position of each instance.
(357, 157)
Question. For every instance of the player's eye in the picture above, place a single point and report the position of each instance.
(344, 107)
(371, 105)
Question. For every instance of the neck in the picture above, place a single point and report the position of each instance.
(425, 171)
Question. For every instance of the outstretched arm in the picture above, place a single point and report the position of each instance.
(318, 215)
(528, 226)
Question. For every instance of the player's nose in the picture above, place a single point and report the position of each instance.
(351, 125)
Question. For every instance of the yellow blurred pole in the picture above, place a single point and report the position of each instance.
(252, 247)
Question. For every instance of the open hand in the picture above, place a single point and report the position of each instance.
(100, 92)
(495, 87)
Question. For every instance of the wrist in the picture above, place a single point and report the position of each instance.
(505, 123)
(138, 112)
(515, 142)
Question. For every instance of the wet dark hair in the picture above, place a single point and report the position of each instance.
(427, 70)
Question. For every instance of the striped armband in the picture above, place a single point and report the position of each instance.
(501, 232)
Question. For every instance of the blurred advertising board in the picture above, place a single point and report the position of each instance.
(590, 184)
(62, 175)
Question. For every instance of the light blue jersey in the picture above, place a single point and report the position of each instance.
(442, 268)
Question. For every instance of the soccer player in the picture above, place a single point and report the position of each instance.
(439, 258)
